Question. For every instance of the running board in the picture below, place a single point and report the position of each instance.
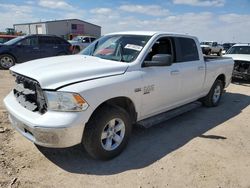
(154, 120)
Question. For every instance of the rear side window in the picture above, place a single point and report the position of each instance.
(46, 41)
(186, 50)
(60, 41)
(92, 39)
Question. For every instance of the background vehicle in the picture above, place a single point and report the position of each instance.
(121, 79)
(241, 56)
(226, 47)
(81, 42)
(29, 47)
(210, 47)
(5, 38)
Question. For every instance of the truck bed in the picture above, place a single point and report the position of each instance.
(214, 58)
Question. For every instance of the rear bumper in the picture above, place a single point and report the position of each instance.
(52, 129)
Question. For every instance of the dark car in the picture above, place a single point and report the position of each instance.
(29, 47)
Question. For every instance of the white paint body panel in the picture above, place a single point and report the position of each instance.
(98, 80)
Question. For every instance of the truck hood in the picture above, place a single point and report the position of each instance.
(55, 72)
(239, 57)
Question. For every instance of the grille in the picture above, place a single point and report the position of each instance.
(29, 94)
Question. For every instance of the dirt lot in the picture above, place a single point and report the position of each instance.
(207, 147)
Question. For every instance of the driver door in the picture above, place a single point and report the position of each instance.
(161, 84)
(27, 49)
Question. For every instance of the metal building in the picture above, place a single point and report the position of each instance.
(63, 28)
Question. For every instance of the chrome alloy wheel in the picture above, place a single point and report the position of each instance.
(217, 94)
(113, 134)
(6, 62)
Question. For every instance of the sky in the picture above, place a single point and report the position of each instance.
(213, 20)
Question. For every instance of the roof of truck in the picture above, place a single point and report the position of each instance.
(242, 44)
(148, 33)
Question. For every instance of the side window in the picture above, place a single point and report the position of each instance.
(163, 45)
(46, 41)
(92, 39)
(186, 49)
(86, 39)
(31, 41)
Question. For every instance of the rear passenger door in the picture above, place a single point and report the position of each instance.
(47, 46)
(191, 68)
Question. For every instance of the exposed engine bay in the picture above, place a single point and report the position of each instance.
(242, 69)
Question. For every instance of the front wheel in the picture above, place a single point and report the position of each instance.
(107, 133)
(213, 97)
(6, 61)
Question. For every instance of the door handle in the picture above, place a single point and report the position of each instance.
(55, 47)
(35, 48)
(201, 68)
(175, 72)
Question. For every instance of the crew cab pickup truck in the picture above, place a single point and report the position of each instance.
(120, 80)
(210, 47)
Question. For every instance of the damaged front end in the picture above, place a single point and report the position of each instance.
(241, 70)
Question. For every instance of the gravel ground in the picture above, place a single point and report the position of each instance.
(207, 147)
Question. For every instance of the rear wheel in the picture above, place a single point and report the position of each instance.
(107, 133)
(213, 97)
(6, 61)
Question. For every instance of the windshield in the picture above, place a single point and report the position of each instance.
(206, 43)
(239, 50)
(13, 41)
(124, 48)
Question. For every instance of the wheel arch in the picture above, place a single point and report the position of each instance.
(222, 78)
(121, 102)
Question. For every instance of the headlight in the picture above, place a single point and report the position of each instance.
(64, 101)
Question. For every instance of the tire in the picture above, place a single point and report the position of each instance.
(7, 61)
(213, 97)
(219, 53)
(100, 138)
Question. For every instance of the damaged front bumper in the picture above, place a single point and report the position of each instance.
(52, 129)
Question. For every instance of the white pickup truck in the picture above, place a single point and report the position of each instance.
(120, 80)
(210, 47)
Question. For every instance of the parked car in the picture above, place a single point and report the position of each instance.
(29, 47)
(226, 47)
(95, 97)
(5, 38)
(210, 47)
(81, 42)
(241, 56)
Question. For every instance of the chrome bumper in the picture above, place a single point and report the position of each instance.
(52, 129)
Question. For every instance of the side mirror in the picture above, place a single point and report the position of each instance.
(83, 40)
(159, 60)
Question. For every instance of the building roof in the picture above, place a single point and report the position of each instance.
(66, 20)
